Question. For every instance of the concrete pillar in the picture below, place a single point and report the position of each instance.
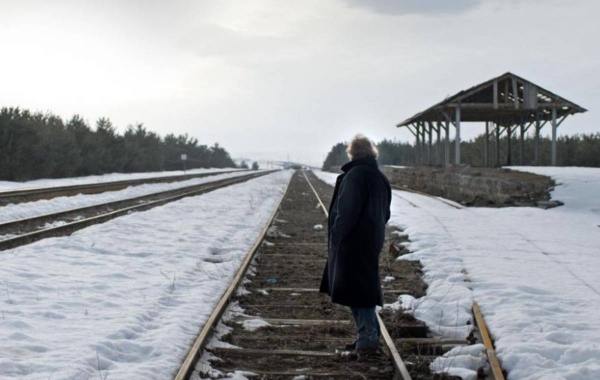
(438, 148)
(554, 128)
(447, 144)
(457, 142)
(423, 144)
(497, 144)
(509, 146)
(486, 147)
(430, 149)
(536, 158)
(522, 144)
(417, 144)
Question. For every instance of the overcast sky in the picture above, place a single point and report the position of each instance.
(268, 78)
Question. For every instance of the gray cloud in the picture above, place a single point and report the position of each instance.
(415, 6)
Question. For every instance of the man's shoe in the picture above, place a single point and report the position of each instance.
(351, 346)
(364, 353)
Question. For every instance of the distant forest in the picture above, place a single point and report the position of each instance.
(42, 145)
(577, 150)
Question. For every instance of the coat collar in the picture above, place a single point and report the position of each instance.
(369, 161)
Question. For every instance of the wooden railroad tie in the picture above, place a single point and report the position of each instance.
(226, 351)
(315, 290)
(340, 374)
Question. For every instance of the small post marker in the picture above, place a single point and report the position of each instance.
(184, 159)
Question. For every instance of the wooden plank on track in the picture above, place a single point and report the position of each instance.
(292, 262)
(226, 351)
(294, 257)
(292, 337)
(344, 375)
(293, 290)
(432, 341)
(315, 290)
(487, 342)
(286, 306)
(297, 322)
(396, 291)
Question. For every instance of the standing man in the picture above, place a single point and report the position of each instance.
(359, 211)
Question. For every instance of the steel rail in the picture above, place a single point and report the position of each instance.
(13, 224)
(29, 194)
(487, 342)
(204, 335)
(70, 227)
(400, 370)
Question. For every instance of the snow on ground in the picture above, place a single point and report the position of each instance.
(326, 177)
(45, 206)
(576, 187)
(130, 295)
(533, 272)
(8, 185)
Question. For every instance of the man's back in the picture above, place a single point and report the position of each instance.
(359, 211)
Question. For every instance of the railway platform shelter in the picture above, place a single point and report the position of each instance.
(507, 104)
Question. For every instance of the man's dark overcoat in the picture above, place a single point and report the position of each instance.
(359, 211)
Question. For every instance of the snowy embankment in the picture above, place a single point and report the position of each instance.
(129, 295)
(533, 272)
(112, 177)
(45, 206)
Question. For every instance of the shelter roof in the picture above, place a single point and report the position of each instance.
(506, 100)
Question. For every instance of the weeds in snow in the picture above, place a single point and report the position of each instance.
(8, 293)
(99, 370)
(172, 286)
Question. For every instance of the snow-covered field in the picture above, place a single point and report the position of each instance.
(129, 295)
(8, 185)
(45, 206)
(535, 274)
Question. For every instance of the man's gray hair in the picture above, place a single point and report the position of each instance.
(361, 147)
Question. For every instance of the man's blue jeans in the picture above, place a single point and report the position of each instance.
(367, 327)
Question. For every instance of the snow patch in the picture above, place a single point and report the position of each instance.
(533, 272)
(254, 324)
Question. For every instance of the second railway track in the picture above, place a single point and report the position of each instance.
(28, 230)
(37, 193)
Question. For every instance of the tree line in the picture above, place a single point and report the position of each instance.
(576, 150)
(43, 145)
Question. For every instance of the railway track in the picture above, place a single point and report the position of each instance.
(37, 193)
(273, 324)
(439, 199)
(26, 231)
(481, 332)
(303, 328)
